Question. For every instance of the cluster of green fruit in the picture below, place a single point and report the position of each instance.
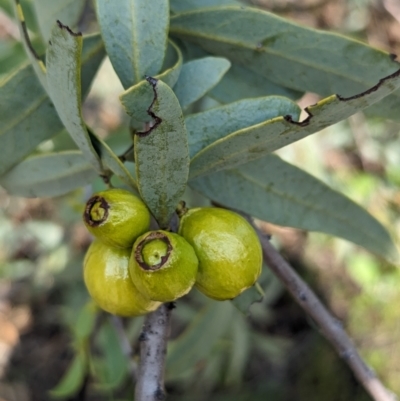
(130, 271)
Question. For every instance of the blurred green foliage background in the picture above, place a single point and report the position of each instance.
(53, 338)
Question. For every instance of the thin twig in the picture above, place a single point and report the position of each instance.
(125, 346)
(153, 348)
(329, 326)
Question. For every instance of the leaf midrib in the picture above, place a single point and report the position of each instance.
(311, 206)
(267, 50)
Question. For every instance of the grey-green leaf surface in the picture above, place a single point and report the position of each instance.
(135, 35)
(207, 127)
(273, 190)
(73, 377)
(63, 61)
(288, 54)
(241, 82)
(115, 362)
(199, 76)
(248, 298)
(172, 65)
(37, 63)
(138, 97)
(48, 175)
(49, 11)
(178, 6)
(240, 351)
(251, 143)
(196, 342)
(27, 116)
(162, 156)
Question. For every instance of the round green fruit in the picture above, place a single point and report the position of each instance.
(116, 217)
(228, 249)
(107, 280)
(163, 266)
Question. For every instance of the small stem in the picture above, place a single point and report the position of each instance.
(330, 327)
(153, 348)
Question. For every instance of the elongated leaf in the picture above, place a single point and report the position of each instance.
(198, 77)
(177, 6)
(273, 190)
(51, 174)
(162, 155)
(64, 87)
(72, 379)
(172, 65)
(135, 36)
(36, 61)
(115, 362)
(49, 11)
(209, 126)
(248, 298)
(27, 116)
(240, 351)
(197, 341)
(240, 82)
(290, 55)
(93, 53)
(254, 142)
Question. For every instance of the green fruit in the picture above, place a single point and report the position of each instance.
(163, 266)
(107, 280)
(116, 217)
(228, 249)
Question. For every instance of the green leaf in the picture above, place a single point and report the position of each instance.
(172, 65)
(196, 342)
(115, 362)
(138, 97)
(288, 54)
(254, 142)
(178, 6)
(64, 88)
(209, 126)
(93, 53)
(197, 77)
(47, 175)
(273, 190)
(49, 11)
(27, 116)
(12, 55)
(85, 322)
(240, 82)
(135, 35)
(36, 61)
(162, 155)
(248, 298)
(240, 351)
(73, 378)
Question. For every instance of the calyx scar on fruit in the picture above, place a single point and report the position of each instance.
(163, 265)
(108, 282)
(228, 249)
(116, 217)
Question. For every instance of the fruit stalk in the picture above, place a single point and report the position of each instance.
(329, 326)
(153, 349)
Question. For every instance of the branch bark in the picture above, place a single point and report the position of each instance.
(153, 349)
(330, 327)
